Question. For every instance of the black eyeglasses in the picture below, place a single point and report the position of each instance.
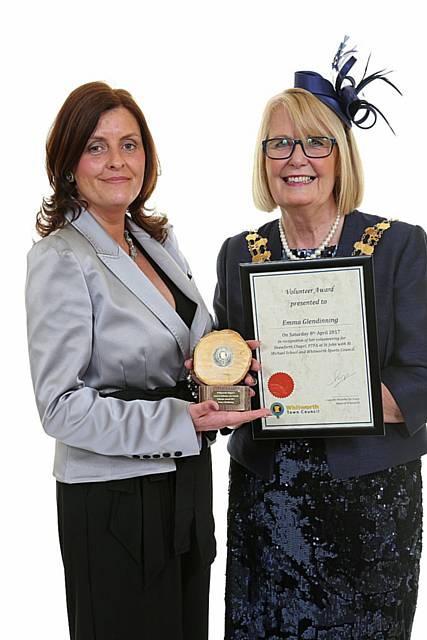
(312, 147)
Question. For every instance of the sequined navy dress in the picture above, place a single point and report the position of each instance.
(313, 557)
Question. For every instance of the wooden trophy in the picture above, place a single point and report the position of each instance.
(222, 359)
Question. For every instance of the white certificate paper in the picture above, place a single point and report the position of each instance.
(316, 374)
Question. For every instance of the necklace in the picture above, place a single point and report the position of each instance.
(132, 249)
(318, 251)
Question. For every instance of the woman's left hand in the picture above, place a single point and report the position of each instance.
(207, 416)
(391, 409)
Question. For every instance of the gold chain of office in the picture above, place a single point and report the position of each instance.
(371, 236)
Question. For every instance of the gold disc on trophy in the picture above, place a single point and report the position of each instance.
(222, 358)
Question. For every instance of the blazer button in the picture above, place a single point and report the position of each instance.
(166, 455)
(146, 456)
(177, 454)
(156, 455)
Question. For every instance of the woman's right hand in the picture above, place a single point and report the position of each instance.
(206, 416)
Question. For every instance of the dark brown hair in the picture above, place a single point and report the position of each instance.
(73, 126)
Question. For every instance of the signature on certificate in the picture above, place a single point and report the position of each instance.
(339, 377)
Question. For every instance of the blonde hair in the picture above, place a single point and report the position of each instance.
(310, 116)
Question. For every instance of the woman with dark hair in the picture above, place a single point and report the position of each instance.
(73, 126)
(325, 535)
(113, 314)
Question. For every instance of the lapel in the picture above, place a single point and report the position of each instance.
(275, 244)
(351, 232)
(119, 263)
(170, 261)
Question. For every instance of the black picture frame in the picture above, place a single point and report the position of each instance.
(251, 275)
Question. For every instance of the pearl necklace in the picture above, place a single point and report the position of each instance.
(132, 249)
(319, 249)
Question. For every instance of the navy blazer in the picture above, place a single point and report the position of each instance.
(400, 268)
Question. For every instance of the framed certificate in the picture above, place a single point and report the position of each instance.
(316, 322)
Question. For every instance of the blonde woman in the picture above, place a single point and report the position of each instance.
(325, 535)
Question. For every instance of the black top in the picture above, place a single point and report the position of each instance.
(184, 307)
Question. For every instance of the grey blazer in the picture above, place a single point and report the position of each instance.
(96, 324)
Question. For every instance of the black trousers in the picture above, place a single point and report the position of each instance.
(137, 554)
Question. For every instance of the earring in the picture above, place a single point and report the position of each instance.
(69, 176)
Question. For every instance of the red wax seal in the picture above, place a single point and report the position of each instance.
(281, 385)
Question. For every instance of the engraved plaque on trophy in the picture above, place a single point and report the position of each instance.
(222, 359)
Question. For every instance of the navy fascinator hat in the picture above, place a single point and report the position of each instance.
(343, 98)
